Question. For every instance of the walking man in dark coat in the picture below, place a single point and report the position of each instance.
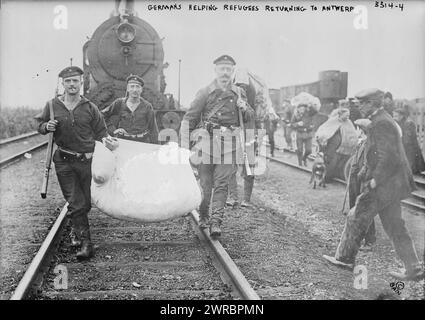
(388, 180)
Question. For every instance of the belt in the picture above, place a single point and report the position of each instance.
(140, 135)
(87, 155)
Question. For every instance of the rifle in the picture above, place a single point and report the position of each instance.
(242, 139)
(49, 154)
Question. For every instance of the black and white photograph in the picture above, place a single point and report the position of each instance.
(231, 152)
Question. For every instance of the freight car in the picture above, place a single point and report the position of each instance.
(122, 45)
(331, 87)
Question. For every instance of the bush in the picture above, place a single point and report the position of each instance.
(16, 121)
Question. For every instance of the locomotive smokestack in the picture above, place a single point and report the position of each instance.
(129, 7)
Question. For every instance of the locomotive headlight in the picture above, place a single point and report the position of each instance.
(126, 32)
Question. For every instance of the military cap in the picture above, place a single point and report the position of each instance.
(224, 59)
(135, 78)
(70, 72)
(370, 94)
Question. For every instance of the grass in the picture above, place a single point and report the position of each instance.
(16, 121)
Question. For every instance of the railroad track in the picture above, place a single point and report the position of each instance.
(135, 262)
(416, 202)
(16, 156)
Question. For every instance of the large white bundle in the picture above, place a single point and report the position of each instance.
(306, 99)
(143, 182)
(263, 105)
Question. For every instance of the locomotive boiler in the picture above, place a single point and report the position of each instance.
(123, 45)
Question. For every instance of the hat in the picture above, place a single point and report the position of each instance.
(362, 123)
(224, 59)
(370, 94)
(70, 72)
(134, 78)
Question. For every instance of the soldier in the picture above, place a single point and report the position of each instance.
(132, 117)
(387, 180)
(216, 107)
(265, 116)
(77, 124)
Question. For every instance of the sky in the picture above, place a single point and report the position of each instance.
(282, 48)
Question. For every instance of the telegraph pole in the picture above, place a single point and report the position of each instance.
(178, 97)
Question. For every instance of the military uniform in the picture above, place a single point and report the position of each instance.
(140, 124)
(262, 119)
(75, 136)
(215, 113)
(388, 180)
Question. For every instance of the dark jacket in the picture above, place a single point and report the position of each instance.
(78, 129)
(306, 130)
(411, 146)
(213, 98)
(386, 161)
(142, 120)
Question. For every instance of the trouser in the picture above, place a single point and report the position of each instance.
(248, 185)
(214, 180)
(75, 179)
(270, 130)
(360, 218)
(370, 235)
(304, 146)
(288, 136)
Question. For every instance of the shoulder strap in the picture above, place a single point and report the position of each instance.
(219, 106)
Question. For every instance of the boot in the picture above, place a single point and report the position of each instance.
(203, 222)
(232, 203)
(75, 241)
(247, 204)
(215, 231)
(87, 250)
(300, 158)
(413, 275)
(338, 263)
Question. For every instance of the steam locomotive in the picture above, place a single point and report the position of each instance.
(123, 45)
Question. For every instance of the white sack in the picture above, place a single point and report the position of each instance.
(306, 99)
(148, 183)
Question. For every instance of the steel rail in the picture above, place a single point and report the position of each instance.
(4, 142)
(30, 276)
(418, 209)
(239, 281)
(15, 157)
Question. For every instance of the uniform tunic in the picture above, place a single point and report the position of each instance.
(141, 120)
(215, 175)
